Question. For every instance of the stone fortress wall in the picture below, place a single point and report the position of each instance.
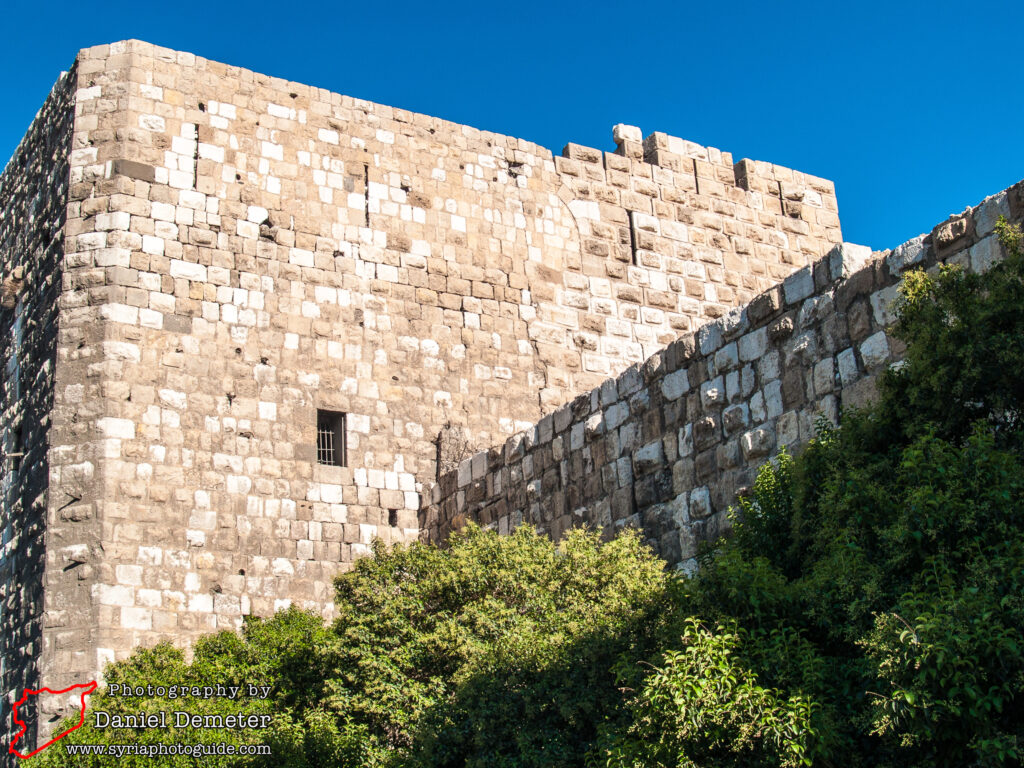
(239, 251)
(668, 444)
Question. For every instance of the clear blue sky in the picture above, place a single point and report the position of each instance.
(915, 110)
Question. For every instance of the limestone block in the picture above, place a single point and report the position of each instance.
(700, 503)
(735, 417)
(465, 472)
(727, 357)
(874, 351)
(649, 457)
(985, 254)
(752, 346)
(712, 393)
(846, 258)
(824, 376)
(622, 132)
(788, 429)
(848, 371)
(757, 443)
(710, 338)
(988, 212)
(798, 286)
(773, 399)
(907, 255)
(116, 428)
(885, 304)
(675, 385)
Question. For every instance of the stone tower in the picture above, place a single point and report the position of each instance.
(247, 322)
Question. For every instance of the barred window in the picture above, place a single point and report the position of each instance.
(330, 438)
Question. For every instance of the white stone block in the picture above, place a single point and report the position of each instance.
(906, 255)
(846, 258)
(149, 598)
(773, 399)
(465, 473)
(585, 209)
(622, 132)
(117, 595)
(120, 313)
(200, 603)
(675, 385)
(128, 574)
(118, 220)
(123, 429)
(700, 503)
(137, 618)
(712, 392)
(752, 346)
(824, 377)
(987, 214)
(150, 319)
(798, 286)
(188, 270)
(153, 123)
(149, 555)
(173, 398)
(985, 254)
(874, 351)
(848, 372)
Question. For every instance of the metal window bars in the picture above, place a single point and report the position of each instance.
(330, 438)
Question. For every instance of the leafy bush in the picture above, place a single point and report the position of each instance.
(701, 708)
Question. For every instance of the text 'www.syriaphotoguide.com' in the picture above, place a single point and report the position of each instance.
(159, 750)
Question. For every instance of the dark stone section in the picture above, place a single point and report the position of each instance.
(33, 205)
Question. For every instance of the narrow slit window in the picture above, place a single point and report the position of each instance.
(330, 438)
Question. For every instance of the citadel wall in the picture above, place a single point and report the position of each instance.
(33, 189)
(667, 445)
(241, 252)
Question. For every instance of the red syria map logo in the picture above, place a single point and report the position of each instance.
(86, 689)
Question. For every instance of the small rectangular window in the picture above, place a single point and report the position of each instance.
(19, 450)
(330, 438)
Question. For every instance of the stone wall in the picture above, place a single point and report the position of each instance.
(240, 252)
(33, 188)
(667, 445)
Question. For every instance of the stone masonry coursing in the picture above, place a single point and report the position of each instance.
(667, 445)
(239, 252)
(34, 188)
